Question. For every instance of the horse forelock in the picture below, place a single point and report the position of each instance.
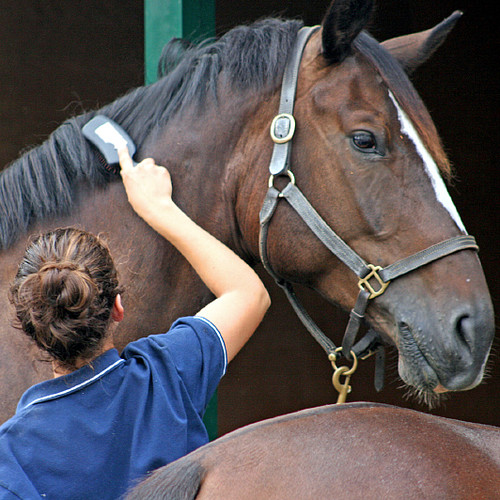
(399, 84)
(42, 182)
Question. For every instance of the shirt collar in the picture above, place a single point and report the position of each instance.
(74, 381)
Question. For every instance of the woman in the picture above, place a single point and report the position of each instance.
(106, 420)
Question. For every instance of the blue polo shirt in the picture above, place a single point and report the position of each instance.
(97, 431)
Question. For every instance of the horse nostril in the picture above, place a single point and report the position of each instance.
(465, 330)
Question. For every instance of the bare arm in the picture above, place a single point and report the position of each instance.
(241, 298)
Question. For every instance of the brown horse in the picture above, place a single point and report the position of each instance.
(365, 153)
(357, 450)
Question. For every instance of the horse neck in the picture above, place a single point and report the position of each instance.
(149, 269)
(218, 164)
(157, 279)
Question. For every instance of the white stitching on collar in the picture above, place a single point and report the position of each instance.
(76, 387)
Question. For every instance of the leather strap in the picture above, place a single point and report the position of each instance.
(428, 255)
(356, 316)
(363, 347)
(281, 151)
(321, 229)
(352, 260)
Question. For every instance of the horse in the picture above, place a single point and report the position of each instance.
(353, 450)
(366, 155)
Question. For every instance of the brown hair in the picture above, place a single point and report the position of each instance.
(63, 293)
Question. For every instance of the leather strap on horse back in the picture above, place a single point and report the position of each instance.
(373, 280)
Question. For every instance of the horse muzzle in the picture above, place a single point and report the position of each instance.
(448, 352)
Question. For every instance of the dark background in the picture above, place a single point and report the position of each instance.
(58, 58)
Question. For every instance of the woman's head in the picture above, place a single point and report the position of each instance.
(64, 293)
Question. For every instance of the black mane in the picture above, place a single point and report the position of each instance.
(41, 183)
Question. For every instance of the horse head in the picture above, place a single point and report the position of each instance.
(367, 156)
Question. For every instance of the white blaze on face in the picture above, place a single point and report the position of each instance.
(430, 165)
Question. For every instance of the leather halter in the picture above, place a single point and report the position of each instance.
(373, 280)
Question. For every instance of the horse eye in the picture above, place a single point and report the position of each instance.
(364, 141)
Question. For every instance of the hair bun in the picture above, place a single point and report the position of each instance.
(66, 286)
(58, 266)
(64, 292)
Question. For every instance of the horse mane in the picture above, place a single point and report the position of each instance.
(398, 82)
(43, 181)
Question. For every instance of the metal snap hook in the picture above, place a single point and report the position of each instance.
(342, 388)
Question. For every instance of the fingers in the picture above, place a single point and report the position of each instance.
(125, 159)
(126, 162)
(148, 162)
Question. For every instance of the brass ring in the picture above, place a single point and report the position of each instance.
(333, 358)
(290, 176)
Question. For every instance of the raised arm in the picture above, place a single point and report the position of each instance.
(241, 298)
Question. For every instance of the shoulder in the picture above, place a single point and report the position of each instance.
(199, 329)
(186, 337)
(191, 356)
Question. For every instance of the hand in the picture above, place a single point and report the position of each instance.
(241, 298)
(148, 186)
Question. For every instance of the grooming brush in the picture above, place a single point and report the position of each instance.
(108, 137)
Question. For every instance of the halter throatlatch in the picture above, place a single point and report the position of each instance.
(373, 280)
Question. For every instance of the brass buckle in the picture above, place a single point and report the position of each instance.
(364, 283)
(284, 117)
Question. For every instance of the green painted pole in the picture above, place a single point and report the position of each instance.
(193, 20)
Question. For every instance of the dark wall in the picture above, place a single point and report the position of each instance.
(59, 57)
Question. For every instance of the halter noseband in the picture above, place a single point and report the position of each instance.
(373, 280)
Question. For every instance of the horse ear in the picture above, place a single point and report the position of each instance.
(341, 25)
(413, 50)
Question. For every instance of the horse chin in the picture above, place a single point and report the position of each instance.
(431, 399)
(422, 380)
(416, 371)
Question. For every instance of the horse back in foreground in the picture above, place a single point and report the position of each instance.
(356, 450)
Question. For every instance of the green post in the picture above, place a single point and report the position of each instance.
(193, 20)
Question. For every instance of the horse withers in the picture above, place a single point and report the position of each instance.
(351, 451)
(365, 154)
